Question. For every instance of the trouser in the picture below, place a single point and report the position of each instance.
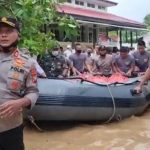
(12, 139)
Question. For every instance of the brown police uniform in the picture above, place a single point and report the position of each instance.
(18, 78)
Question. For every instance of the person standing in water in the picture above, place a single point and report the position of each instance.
(18, 85)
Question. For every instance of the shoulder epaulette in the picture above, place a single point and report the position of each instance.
(24, 56)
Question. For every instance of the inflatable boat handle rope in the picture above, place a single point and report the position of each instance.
(109, 90)
(112, 97)
(98, 84)
(114, 105)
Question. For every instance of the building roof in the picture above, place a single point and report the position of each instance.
(97, 16)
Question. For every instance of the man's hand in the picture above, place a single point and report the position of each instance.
(128, 74)
(12, 107)
(122, 73)
(141, 73)
(138, 89)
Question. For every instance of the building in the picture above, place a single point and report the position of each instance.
(97, 25)
(146, 38)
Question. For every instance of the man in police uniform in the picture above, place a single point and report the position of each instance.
(18, 86)
(54, 64)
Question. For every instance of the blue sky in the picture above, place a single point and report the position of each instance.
(131, 9)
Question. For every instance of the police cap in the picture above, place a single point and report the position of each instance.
(10, 22)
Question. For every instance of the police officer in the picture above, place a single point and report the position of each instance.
(54, 64)
(18, 86)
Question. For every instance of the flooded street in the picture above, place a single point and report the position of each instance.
(129, 134)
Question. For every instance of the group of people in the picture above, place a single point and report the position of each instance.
(98, 61)
(18, 74)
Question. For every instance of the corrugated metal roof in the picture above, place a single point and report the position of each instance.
(98, 16)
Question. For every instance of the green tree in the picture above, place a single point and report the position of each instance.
(147, 21)
(34, 15)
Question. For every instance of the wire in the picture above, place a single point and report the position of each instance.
(114, 105)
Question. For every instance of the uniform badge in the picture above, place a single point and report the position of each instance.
(34, 75)
(19, 63)
(15, 85)
(15, 76)
(16, 54)
(4, 19)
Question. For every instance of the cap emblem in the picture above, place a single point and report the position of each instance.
(5, 20)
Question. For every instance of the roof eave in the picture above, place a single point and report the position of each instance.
(109, 22)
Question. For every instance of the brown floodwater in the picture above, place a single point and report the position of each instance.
(129, 134)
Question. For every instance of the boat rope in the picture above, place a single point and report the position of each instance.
(112, 97)
(32, 121)
(109, 90)
(114, 105)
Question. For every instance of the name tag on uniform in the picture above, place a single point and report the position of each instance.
(17, 69)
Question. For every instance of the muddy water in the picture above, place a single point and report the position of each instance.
(129, 134)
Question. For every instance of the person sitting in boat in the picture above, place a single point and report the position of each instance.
(103, 65)
(124, 63)
(78, 61)
(142, 58)
(54, 64)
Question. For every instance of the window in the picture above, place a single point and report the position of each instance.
(79, 3)
(91, 5)
(101, 7)
(69, 1)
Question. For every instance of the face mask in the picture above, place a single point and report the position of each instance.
(102, 55)
(79, 51)
(55, 53)
(7, 49)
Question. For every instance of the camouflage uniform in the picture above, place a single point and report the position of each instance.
(53, 65)
(18, 78)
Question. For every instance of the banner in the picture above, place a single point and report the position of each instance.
(112, 39)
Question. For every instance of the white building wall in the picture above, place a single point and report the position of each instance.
(86, 5)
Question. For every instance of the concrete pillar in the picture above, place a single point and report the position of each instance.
(94, 35)
(120, 35)
(86, 33)
(126, 36)
(136, 36)
(131, 38)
